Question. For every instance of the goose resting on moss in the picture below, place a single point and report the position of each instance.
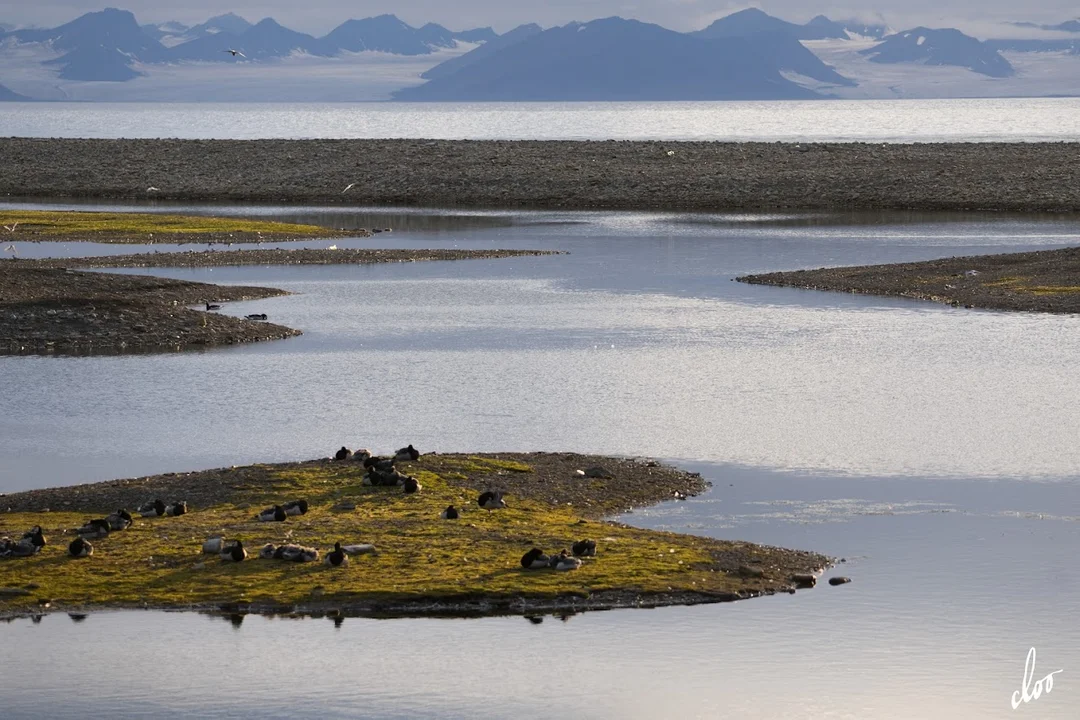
(152, 509)
(295, 507)
(450, 513)
(563, 561)
(274, 514)
(234, 552)
(535, 559)
(337, 557)
(491, 500)
(79, 548)
(584, 548)
(343, 454)
(407, 454)
(95, 529)
(175, 509)
(120, 520)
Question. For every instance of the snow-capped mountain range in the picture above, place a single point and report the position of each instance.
(108, 55)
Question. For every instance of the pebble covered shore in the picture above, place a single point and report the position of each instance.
(703, 176)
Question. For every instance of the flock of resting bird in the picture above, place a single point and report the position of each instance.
(380, 472)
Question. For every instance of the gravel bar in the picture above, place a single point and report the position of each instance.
(1041, 281)
(702, 176)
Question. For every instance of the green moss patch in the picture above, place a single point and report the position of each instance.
(123, 227)
(420, 557)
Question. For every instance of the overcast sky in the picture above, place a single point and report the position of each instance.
(319, 16)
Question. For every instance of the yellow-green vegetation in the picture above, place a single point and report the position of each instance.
(158, 561)
(146, 227)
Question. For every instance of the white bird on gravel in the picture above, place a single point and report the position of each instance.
(152, 189)
(348, 187)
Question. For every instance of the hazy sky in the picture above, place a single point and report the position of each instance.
(319, 16)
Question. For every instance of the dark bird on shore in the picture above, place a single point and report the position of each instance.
(411, 485)
(383, 464)
(234, 552)
(234, 53)
(176, 509)
(35, 537)
(491, 500)
(296, 507)
(274, 514)
(450, 513)
(337, 556)
(535, 559)
(584, 548)
(30, 544)
(152, 509)
(212, 307)
(343, 454)
(95, 529)
(79, 548)
(563, 561)
(256, 316)
(407, 453)
(120, 520)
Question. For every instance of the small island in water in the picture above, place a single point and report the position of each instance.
(1040, 281)
(412, 559)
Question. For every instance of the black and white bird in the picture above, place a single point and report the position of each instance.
(234, 53)
(120, 520)
(450, 513)
(343, 454)
(234, 552)
(210, 306)
(406, 454)
(79, 548)
(95, 529)
(411, 485)
(295, 507)
(535, 559)
(584, 548)
(563, 561)
(274, 514)
(491, 500)
(177, 508)
(152, 509)
(337, 557)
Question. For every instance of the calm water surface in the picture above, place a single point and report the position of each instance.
(979, 120)
(934, 448)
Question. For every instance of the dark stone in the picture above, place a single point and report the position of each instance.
(839, 580)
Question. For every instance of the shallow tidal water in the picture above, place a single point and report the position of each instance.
(932, 447)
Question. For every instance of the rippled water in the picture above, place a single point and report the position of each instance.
(973, 120)
(932, 447)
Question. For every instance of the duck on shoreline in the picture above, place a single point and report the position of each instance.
(343, 454)
(155, 508)
(79, 548)
(407, 454)
(31, 543)
(337, 557)
(95, 529)
(176, 509)
(450, 513)
(234, 552)
(491, 500)
(295, 507)
(120, 520)
(410, 485)
(274, 514)
(289, 552)
(535, 559)
(584, 548)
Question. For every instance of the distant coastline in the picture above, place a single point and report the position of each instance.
(611, 175)
(1041, 281)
